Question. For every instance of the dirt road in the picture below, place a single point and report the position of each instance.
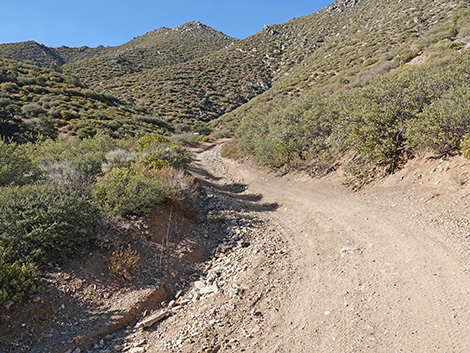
(369, 275)
(285, 264)
(369, 278)
(329, 270)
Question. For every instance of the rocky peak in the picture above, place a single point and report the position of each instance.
(191, 26)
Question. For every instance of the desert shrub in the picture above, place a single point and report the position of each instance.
(45, 128)
(86, 132)
(149, 142)
(9, 87)
(230, 150)
(86, 156)
(124, 261)
(123, 191)
(446, 44)
(11, 127)
(16, 280)
(64, 174)
(176, 181)
(118, 158)
(442, 125)
(287, 133)
(465, 146)
(186, 138)
(165, 155)
(16, 166)
(357, 173)
(45, 223)
(32, 109)
(154, 121)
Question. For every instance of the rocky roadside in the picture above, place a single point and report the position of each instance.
(227, 306)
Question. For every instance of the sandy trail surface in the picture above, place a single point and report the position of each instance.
(303, 264)
(364, 272)
(368, 275)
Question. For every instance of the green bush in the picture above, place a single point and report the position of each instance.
(165, 156)
(45, 224)
(123, 191)
(442, 125)
(16, 166)
(465, 146)
(86, 156)
(16, 280)
(288, 133)
(149, 142)
(357, 173)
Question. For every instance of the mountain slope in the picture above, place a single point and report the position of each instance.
(38, 103)
(193, 73)
(161, 47)
(210, 86)
(366, 39)
(344, 44)
(43, 56)
(366, 104)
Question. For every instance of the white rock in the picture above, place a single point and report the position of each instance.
(141, 343)
(199, 284)
(209, 289)
(137, 350)
(152, 319)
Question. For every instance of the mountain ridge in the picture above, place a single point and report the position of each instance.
(176, 75)
(41, 55)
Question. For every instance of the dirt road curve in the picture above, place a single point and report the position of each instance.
(367, 276)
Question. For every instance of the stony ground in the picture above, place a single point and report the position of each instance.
(310, 266)
(306, 265)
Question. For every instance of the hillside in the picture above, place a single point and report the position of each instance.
(382, 90)
(161, 47)
(363, 40)
(38, 54)
(39, 103)
(207, 87)
(342, 45)
(193, 73)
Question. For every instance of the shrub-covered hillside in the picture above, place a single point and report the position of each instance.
(194, 73)
(366, 38)
(409, 109)
(38, 103)
(344, 44)
(161, 47)
(40, 55)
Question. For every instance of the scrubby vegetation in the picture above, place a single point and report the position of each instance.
(57, 197)
(409, 109)
(99, 138)
(40, 104)
(158, 48)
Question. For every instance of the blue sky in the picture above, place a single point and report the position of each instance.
(95, 22)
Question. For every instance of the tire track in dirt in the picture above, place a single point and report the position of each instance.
(369, 278)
